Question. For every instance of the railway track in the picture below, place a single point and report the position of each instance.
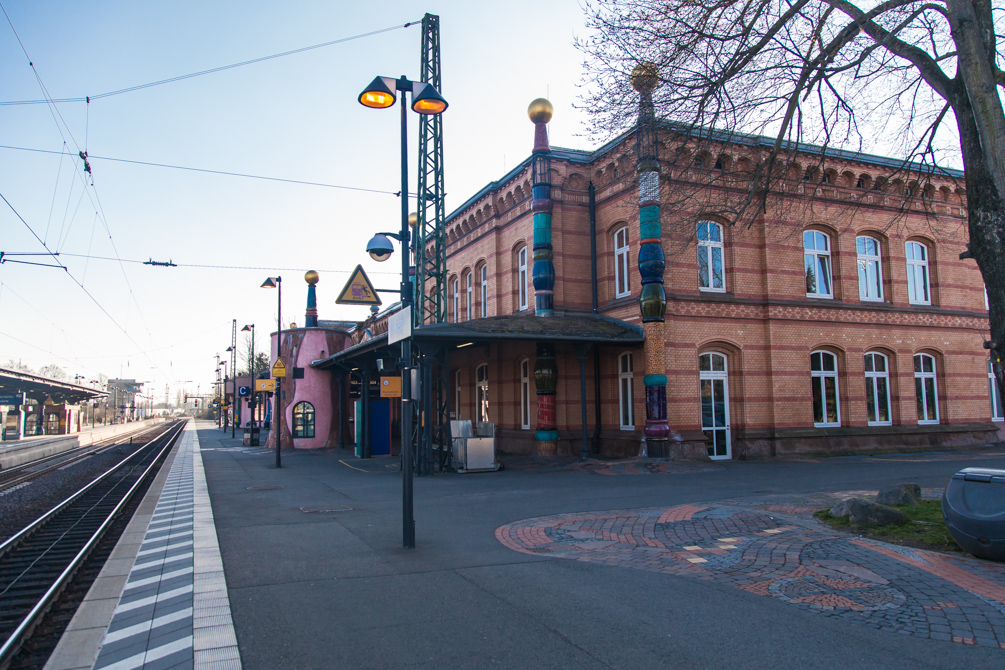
(25, 472)
(37, 563)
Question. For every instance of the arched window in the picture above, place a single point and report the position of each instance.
(521, 277)
(826, 404)
(482, 393)
(457, 300)
(303, 419)
(626, 391)
(870, 269)
(470, 292)
(996, 398)
(484, 285)
(817, 263)
(926, 388)
(622, 286)
(918, 292)
(525, 394)
(877, 389)
(710, 271)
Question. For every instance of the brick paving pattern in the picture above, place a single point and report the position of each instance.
(772, 546)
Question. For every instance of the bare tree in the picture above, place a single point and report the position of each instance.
(814, 75)
(19, 366)
(53, 371)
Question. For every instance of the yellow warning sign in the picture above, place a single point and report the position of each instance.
(358, 290)
(279, 368)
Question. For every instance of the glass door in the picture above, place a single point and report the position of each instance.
(714, 387)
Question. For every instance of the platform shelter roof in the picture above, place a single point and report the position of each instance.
(40, 388)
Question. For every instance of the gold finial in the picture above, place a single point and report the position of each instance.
(645, 77)
(540, 111)
(413, 218)
(311, 277)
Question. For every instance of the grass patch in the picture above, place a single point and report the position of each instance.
(925, 529)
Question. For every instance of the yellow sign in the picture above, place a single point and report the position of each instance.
(279, 368)
(358, 290)
(265, 384)
(390, 387)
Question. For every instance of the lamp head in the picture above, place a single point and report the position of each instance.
(247, 329)
(379, 248)
(380, 94)
(427, 100)
(271, 282)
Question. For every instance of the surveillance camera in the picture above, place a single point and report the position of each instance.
(379, 247)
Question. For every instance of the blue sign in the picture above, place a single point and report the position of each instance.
(244, 391)
(12, 399)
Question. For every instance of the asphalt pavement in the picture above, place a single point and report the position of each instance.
(559, 565)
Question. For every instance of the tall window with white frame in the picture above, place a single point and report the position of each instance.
(525, 394)
(817, 264)
(918, 289)
(457, 300)
(870, 269)
(710, 271)
(826, 403)
(482, 393)
(877, 389)
(996, 397)
(521, 278)
(483, 279)
(622, 284)
(926, 388)
(469, 290)
(626, 391)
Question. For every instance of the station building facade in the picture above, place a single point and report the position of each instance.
(841, 321)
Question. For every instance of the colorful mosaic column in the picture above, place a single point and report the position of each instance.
(545, 367)
(311, 318)
(652, 263)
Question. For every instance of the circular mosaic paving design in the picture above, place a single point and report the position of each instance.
(836, 593)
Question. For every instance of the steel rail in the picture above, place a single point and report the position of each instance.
(14, 641)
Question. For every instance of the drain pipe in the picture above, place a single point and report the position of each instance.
(596, 310)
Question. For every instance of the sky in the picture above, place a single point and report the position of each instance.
(294, 118)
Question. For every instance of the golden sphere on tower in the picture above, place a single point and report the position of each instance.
(311, 277)
(540, 111)
(413, 219)
(645, 77)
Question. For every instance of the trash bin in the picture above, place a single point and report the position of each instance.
(974, 508)
(251, 436)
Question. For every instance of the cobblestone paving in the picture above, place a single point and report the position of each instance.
(772, 546)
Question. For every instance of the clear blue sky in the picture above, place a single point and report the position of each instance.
(294, 117)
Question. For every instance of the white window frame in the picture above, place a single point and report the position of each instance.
(925, 377)
(867, 262)
(706, 250)
(622, 280)
(918, 274)
(997, 414)
(457, 300)
(821, 260)
(521, 278)
(820, 377)
(457, 395)
(482, 393)
(470, 291)
(484, 277)
(871, 379)
(525, 394)
(626, 391)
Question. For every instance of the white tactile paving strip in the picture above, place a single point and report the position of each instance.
(173, 611)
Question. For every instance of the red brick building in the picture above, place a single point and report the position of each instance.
(842, 321)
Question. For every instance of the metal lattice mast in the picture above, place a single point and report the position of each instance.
(431, 251)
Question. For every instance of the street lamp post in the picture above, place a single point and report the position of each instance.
(251, 369)
(381, 94)
(277, 283)
(233, 369)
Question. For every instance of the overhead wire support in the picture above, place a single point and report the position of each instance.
(162, 264)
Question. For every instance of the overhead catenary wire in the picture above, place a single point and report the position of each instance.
(87, 99)
(219, 267)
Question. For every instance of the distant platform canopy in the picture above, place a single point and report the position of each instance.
(13, 382)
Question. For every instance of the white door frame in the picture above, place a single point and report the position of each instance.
(713, 376)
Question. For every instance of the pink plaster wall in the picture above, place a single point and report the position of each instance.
(300, 347)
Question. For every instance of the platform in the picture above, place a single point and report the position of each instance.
(15, 452)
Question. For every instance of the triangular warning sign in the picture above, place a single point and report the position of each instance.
(279, 368)
(358, 290)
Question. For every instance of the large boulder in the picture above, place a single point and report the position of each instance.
(899, 494)
(863, 512)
